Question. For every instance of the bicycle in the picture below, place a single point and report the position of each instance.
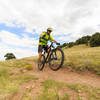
(52, 58)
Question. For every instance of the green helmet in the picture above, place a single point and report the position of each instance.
(49, 29)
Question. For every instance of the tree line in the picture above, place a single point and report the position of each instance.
(92, 41)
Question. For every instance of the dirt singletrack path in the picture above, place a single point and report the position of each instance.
(62, 75)
(65, 75)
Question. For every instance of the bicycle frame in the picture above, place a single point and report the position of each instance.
(48, 52)
(50, 57)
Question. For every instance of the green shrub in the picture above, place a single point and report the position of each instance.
(10, 56)
(28, 67)
(70, 44)
(95, 40)
(83, 40)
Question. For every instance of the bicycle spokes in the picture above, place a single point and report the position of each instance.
(41, 63)
(56, 59)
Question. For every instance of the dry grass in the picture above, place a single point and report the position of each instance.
(53, 90)
(83, 57)
(10, 81)
(80, 58)
(33, 58)
(13, 63)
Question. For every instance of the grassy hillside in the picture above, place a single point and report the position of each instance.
(11, 80)
(53, 90)
(13, 63)
(80, 58)
(49, 89)
(83, 58)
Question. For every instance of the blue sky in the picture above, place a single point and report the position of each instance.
(22, 21)
(20, 32)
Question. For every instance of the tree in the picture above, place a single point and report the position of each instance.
(70, 44)
(9, 56)
(63, 45)
(83, 40)
(95, 40)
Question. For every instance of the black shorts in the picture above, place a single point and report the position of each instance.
(41, 47)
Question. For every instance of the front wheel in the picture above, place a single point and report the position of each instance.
(41, 63)
(56, 59)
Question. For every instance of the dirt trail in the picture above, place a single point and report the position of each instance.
(65, 75)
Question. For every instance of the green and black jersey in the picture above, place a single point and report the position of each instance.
(45, 41)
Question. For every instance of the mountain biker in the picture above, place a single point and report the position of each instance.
(43, 40)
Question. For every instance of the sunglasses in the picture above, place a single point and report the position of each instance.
(49, 31)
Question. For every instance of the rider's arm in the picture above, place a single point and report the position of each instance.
(41, 35)
(51, 38)
(55, 41)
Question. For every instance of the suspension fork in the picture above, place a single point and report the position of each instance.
(55, 55)
(48, 55)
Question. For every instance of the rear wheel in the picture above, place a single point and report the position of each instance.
(41, 63)
(56, 59)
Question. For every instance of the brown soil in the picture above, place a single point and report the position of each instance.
(65, 75)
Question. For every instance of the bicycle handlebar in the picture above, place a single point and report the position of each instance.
(52, 44)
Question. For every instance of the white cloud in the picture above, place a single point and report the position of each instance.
(13, 43)
(13, 39)
(67, 16)
(18, 52)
